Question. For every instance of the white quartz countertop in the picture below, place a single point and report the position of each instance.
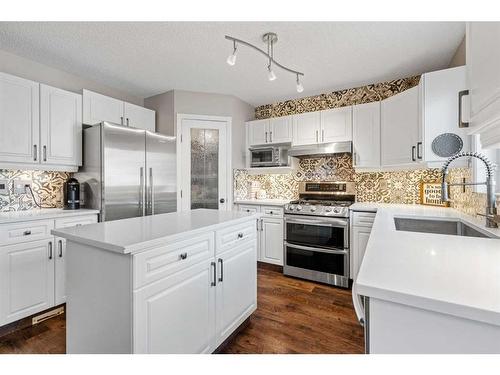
(40, 214)
(263, 202)
(135, 234)
(449, 274)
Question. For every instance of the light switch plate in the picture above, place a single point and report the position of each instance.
(4, 187)
(19, 186)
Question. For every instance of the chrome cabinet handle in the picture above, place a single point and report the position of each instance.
(183, 256)
(317, 136)
(35, 153)
(413, 153)
(127, 122)
(221, 262)
(60, 249)
(419, 150)
(141, 191)
(26, 232)
(121, 120)
(50, 250)
(214, 268)
(354, 158)
(44, 153)
(240, 235)
(322, 135)
(151, 193)
(266, 137)
(261, 225)
(461, 124)
(270, 136)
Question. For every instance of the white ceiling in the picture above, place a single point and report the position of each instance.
(145, 59)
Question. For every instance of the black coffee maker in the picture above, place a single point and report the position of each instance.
(72, 194)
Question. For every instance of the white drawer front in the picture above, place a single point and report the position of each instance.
(164, 261)
(272, 211)
(25, 232)
(234, 235)
(75, 221)
(249, 208)
(363, 219)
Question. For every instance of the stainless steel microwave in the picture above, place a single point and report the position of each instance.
(269, 156)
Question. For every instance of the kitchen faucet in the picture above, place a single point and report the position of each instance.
(492, 218)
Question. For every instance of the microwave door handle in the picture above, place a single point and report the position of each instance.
(317, 249)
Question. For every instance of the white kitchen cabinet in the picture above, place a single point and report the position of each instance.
(27, 279)
(176, 315)
(306, 128)
(271, 240)
(439, 95)
(399, 128)
(366, 135)
(258, 132)
(98, 108)
(236, 288)
(59, 271)
(60, 126)
(336, 125)
(19, 120)
(483, 81)
(361, 227)
(139, 117)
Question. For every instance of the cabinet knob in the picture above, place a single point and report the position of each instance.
(27, 232)
(183, 256)
(240, 235)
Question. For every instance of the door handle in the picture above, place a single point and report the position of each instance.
(221, 262)
(151, 192)
(317, 139)
(35, 156)
(270, 136)
(127, 122)
(266, 137)
(44, 153)
(419, 150)
(461, 94)
(121, 120)
(413, 153)
(50, 250)
(214, 269)
(322, 135)
(141, 190)
(60, 249)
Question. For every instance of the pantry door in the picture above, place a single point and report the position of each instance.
(204, 162)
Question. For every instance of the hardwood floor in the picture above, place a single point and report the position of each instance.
(293, 316)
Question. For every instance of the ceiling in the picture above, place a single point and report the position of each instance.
(145, 59)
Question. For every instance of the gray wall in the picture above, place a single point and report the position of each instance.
(29, 69)
(458, 58)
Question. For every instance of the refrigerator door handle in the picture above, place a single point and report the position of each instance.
(142, 205)
(151, 192)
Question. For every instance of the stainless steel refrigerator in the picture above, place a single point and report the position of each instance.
(127, 172)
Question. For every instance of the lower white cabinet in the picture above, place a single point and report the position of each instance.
(27, 279)
(271, 240)
(361, 227)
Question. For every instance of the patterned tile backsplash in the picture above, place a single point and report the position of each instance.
(47, 188)
(387, 187)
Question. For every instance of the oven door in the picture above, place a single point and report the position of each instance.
(329, 233)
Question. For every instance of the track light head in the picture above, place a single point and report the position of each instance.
(300, 88)
(231, 60)
(270, 74)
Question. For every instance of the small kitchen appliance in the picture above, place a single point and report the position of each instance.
(72, 194)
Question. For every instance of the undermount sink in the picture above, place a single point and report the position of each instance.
(451, 227)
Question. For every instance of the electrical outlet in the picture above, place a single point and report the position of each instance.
(4, 187)
(20, 186)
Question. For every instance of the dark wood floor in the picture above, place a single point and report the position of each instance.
(293, 316)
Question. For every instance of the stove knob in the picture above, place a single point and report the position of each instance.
(313, 209)
(328, 209)
(299, 207)
(336, 210)
(291, 207)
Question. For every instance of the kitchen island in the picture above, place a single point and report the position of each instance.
(429, 292)
(180, 282)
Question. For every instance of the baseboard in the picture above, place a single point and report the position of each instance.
(270, 267)
(32, 320)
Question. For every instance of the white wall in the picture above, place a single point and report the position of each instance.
(29, 69)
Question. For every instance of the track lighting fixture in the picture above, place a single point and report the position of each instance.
(231, 60)
(300, 88)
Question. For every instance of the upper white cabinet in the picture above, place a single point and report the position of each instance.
(270, 131)
(366, 135)
(336, 125)
(98, 108)
(400, 128)
(306, 128)
(439, 96)
(332, 125)
(19, 120)
(60, 126)
(483, 80)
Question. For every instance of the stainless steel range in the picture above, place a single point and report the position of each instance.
(316, 245)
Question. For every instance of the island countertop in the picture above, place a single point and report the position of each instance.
(135, 234)
(449, 274)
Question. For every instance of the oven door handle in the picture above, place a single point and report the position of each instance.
(317, 249)
(323, 223)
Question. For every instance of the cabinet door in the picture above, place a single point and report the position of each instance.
(280, 129)
(176, 315)
(60, 271)
(19, 120)
(399, 124)
(359, 241)
(336, 125)
(98, 108)
(258, 132)
(236, 288)
(60, 126)
(271, 246)
(306, 128)
(366, 135)
(139, 117)
(27, 279)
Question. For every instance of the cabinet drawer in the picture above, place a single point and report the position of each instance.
(248, 208)
(75, 221)
(25, 232)
(363, 219)
(272, 211)
(234, 235)
(164, 261)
